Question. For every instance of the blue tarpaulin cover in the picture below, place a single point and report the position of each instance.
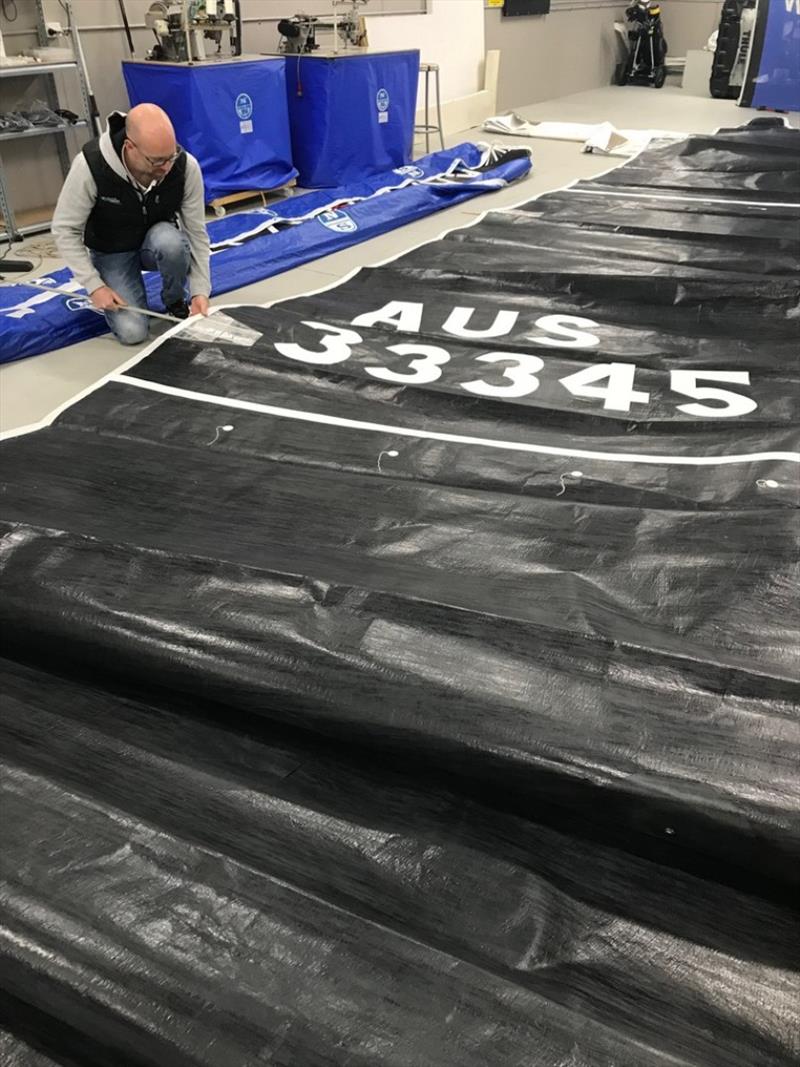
(351, 116)
(231, 116)
(772, 79)
(252, 245)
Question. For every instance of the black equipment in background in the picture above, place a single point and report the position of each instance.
(647, 47)
(15, 266)
(512, 8)
(736, 25)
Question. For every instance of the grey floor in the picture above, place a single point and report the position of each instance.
(32, 388)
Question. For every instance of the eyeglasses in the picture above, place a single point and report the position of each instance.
(163, 161)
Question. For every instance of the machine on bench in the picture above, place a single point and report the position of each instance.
(182, 28)
(299, 33)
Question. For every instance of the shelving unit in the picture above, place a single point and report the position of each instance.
(40, 131)
(47, 72)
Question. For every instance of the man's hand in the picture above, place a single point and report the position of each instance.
(199, 305)
(105, 299)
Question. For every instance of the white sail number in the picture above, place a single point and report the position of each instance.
(611, 383)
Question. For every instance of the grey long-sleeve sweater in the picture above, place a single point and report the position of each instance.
(78, 197)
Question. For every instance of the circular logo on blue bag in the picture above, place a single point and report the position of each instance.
(382, 100)
(410, 172)
(244, 106)
(80, 303)
(338, 221)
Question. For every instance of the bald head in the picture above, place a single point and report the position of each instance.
(149, 136)
(150, 128)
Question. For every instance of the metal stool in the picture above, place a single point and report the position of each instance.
(428, 127)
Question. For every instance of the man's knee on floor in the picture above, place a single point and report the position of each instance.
(130, 328)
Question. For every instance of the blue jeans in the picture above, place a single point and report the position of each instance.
(164, 249)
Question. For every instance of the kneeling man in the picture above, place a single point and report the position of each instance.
(133, 201)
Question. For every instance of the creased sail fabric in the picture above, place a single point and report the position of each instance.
(407, 673)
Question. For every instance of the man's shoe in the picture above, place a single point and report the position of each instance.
(179, 310)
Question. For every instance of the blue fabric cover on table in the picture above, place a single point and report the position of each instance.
(231, 116)
(351, 116)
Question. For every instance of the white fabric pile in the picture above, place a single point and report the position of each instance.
(599, 137)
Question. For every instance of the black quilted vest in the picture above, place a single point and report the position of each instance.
(122, 214)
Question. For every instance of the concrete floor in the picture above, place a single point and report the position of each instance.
(32, 388)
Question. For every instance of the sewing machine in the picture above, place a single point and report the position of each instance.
(299, 33)
(182, 28)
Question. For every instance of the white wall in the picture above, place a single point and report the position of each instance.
(689, 23)
(545, 56)
(574, 48)
(450, 34)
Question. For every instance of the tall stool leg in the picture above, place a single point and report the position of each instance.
(439, 108)
(427, 113)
